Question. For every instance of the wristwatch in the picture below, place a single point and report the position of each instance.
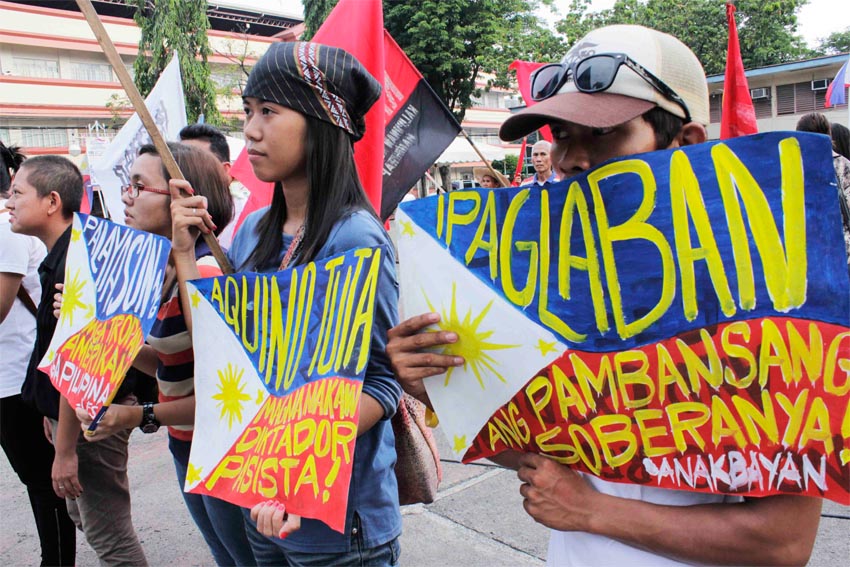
(149, 422)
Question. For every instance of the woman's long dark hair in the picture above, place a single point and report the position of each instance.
(335, 191)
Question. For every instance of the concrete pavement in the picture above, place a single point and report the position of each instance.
(477, 520)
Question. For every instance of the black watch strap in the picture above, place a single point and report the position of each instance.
(149, 424)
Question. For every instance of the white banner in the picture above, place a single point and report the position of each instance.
(166, 105)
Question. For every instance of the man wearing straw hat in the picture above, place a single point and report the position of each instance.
(489, 179)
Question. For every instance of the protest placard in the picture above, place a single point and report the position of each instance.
(676, 319)
(113, 285)
(277, 400)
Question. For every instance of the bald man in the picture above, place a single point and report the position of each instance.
(543, 172)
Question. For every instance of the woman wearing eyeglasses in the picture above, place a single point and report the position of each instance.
(168, 353)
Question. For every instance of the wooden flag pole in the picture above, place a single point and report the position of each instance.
(477, 151)
(142, 110)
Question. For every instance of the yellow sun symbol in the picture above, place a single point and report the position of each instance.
(261, 394)
(472, 344)
(193, 474)
(196, 299)
(407, 228)
(231, 394)
(72, 297)
(75, 234)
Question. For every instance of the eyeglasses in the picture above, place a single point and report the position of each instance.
(133, 189)
(595, 74)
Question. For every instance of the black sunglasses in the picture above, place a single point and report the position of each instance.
(595, 74)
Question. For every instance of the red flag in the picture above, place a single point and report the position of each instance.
(418, 126)
(524, 69)
(517, 178)
(738, 117)
(357, 26)
(261, 191)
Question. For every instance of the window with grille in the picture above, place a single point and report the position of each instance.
(101, 72)
(32, 67)
(715, 104)
(763, 108)
(799, 98)
(5, 137)
(44, 138)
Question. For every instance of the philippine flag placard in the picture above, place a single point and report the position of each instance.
(678, 318)
(277, 393)
(113, 283)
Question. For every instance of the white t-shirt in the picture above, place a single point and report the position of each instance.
(20, 255)
(579, 548)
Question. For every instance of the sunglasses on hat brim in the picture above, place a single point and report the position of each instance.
(596, 74)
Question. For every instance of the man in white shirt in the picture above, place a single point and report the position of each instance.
(21, 426)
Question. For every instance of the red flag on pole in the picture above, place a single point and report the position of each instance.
(737, 117)
(516, 180)
(419, 126)
(357, 26)
(524, 69)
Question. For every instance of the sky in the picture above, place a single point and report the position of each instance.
(817, 19)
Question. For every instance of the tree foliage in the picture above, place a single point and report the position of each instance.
(452, 41)
(835, 43)
(507, 165)
(767, 28)
(179, 25)
(315, 13)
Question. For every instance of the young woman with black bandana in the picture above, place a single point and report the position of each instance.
(305, 106)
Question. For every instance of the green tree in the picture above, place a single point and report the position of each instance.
(315, 13)
(452, 41)
(767, 28)
(181, 25)
(835, 43)
(507, 165)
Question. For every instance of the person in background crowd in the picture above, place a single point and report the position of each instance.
(487, 180)
(593, 521)
(840, 139)
(544, 175)
(21, 426)
(818, 123)
(318, 210)
(92, 477)
(211, 139)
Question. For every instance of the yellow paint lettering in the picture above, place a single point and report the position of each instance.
(636, 228)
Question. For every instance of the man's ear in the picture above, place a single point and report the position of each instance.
(226, 165)
(54, 203)
(692, 133)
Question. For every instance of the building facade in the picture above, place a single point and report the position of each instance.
(55, 82)
(783, 93)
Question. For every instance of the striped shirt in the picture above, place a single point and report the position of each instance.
(169, 337)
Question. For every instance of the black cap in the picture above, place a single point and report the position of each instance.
(327, 83)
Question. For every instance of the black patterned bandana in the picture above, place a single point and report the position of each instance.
(327, 83)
